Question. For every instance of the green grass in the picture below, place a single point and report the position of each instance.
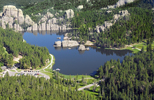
(5, 50)
(48, 69)
(137, 46)
(94, 93)
(19, 70)
(74, 76)
(47, 73)
(12, 70)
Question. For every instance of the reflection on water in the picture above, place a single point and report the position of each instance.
(70, 60)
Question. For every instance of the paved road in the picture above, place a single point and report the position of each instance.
(87, 86)
(50, 63)
(90, 85)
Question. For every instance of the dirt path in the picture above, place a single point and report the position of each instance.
(87, 86)
(49, 64)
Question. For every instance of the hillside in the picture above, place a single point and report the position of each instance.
(131, 79)
(33, 56)
(19, 3)
(31, 88)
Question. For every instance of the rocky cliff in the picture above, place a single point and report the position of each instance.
(124, 14)
(13, 18)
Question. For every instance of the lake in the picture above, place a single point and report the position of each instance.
(71, 61)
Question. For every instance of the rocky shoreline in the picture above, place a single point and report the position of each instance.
(68, 43)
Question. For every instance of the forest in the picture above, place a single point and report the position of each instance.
(131, 29)
(12, 45)
(132, 79)
(31, 88)
(19, 3)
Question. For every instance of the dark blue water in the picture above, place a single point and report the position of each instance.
(71, 61)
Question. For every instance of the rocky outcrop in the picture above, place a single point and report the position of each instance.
(66, 43)
(111, 6)
(123, 2)
(46, 17)
(107, 24)
(11, 15)
(82, 48)
(80, 7)
(7, 19)
(1, 14)
(109, 11)
(118, 4)
(69, 13)
(17, 27)
(20, 16)
(28, 20)
(52, 21)
(14, 17)
(35, 28)
(57, 44)
(69, 43)
(89, 43)
(43, 27)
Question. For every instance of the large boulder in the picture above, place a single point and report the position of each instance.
(69, 43)
(81, 47)
(97, 29)
(107, 24)
(101, 28)
(89, 43)
(116, 16)
(80, 7)
(69, 13)
(109, 11)
(57, 44)
(111, 6)
(123, 2)
(124, 12)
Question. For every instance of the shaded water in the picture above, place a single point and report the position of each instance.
(71, 61)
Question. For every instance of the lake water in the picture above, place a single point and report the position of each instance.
(71, 61)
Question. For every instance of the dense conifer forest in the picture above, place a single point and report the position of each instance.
(131, 29)
(11, 44)
(31, 88)
(131, 79)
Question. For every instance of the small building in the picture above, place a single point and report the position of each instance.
(3, 67)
